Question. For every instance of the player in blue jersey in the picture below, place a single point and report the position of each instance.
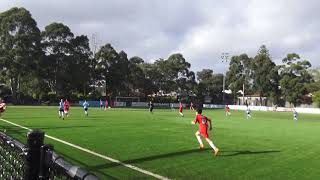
(85, 107)
(61, 109)
(101, 104)
(295, 114)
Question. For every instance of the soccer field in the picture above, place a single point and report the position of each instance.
(270, 145)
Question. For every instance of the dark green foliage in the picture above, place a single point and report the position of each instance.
(210, 84)
(263, 72)
(294, 79)
(316, 98)
(19, 48)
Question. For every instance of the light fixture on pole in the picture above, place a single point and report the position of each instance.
(224, 59)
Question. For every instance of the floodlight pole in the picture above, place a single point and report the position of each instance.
(224, 59)
(243, 94)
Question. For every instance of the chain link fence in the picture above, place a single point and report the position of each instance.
(12, 158)
(35, 161)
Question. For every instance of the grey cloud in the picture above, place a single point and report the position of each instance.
(201, 30)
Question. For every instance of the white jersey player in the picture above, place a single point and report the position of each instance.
(248, 112)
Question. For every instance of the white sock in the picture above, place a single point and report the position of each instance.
(211, 144)
(199, 139)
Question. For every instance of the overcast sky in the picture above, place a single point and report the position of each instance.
(200, 29)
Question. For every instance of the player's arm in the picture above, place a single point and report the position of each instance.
(210, 123)
(194, 121)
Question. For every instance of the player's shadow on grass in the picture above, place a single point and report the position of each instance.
(180, 153)
(245, 152)
(148, 158)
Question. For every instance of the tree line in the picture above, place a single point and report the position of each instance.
(45, 65)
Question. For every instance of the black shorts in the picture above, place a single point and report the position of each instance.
(61, 110)
(151, 109)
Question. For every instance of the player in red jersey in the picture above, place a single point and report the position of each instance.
(66, 106)
(203, 130)
(228, 113)
(2, 107)
(181, 109)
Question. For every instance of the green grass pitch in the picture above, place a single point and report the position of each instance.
(268, 146)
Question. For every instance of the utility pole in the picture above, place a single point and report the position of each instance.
(224, 59)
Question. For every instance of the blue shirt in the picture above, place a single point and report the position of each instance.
(85, 105)
(60, 105)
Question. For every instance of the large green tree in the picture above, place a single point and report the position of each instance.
(209, 84)
(294, 78)
(175, 74)
(113, 68)
(19, 48)
(239, 73)
(57, 46)
(263, 72)
(81, 60)
(136, 76)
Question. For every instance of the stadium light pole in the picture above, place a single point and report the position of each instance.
(245, 75)
(224, 59)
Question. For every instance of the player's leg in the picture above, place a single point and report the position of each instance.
(62, 114)
(199, 139)
(216, 150)
(180, 112)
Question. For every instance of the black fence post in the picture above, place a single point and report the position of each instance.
(45, 161)
(34, 142)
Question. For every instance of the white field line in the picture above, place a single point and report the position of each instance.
(96, 154)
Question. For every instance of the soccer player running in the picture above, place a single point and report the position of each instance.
(295, 114)
(2, 106)
(228, 113)
(85, 107)
(61, 109)
(181, 109)
(66, 106)
(203, 130)
(248, 112)
(191, 106)
(151, 106)
(101, 104)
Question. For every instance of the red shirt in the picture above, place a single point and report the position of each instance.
(203, 123)
(227, 108)
(66, 105)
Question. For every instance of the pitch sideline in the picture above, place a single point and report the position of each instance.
(95, 154)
